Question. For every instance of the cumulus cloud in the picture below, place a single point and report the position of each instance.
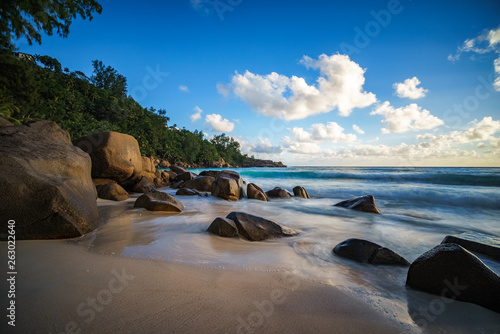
(293, 146)
(488, 41)
(321, 132)
(408, 89)
(265, 146)
(184, 89)
(479, 131)
(340, 85)
(358, 129)
(197, 115)
(411, 117)
(219, 124)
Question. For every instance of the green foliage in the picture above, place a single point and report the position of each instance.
(28, 18)
(82, 106)
(51, 63)
(108, 78)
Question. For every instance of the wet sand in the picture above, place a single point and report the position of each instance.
(62, 287)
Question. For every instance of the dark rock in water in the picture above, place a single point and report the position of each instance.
(229, 185)
(201, 183)
(476, 242)
(190, 192)
(45, 182)
(143, 186)
(361, 203)
(177, 184)
(256, 228)
(212, 173)
(178, 169)
(300, 192)
(256, 192)
(112, 191)
(368, 252)
(386, 256)
(223, 227)
(279, 193)
(159, 201)
(186, 176)
(114, 156)
(452, 271)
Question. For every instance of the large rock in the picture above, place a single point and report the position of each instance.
(476, 242)
(223, 227)
(201, 183)
(361, 203)
(186, 176)
(148, 165)
(256, 228)
(112, 191)
(452, 271)
(45, 181)
(213, 173)
(178, 169)
(114, 156)
(278, 192)
(143, 186)
(368, 252)
(256, 192)
(159, 201)
(229, 186)
(301, 192)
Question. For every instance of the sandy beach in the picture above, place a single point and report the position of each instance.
(62, 287)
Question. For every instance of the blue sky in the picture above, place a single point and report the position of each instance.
(405, 83)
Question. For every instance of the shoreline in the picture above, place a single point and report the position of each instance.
(64, 287)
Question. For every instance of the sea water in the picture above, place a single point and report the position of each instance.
(419, 207)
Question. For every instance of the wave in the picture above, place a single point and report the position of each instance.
(441, 177)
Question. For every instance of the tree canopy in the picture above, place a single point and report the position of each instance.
(29, 18)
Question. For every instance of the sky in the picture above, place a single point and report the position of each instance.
(360, 83)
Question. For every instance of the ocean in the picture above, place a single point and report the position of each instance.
(419, 207)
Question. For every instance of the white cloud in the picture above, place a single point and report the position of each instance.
(184, 89)
(300, 148)
(451, 149)
(321, 132)
(411, 117)
(487, 41)
(408, 89)
(340, 85)
(358, 129)
(197, 115)
(265, 146)
(481, 130)
(218, 124)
